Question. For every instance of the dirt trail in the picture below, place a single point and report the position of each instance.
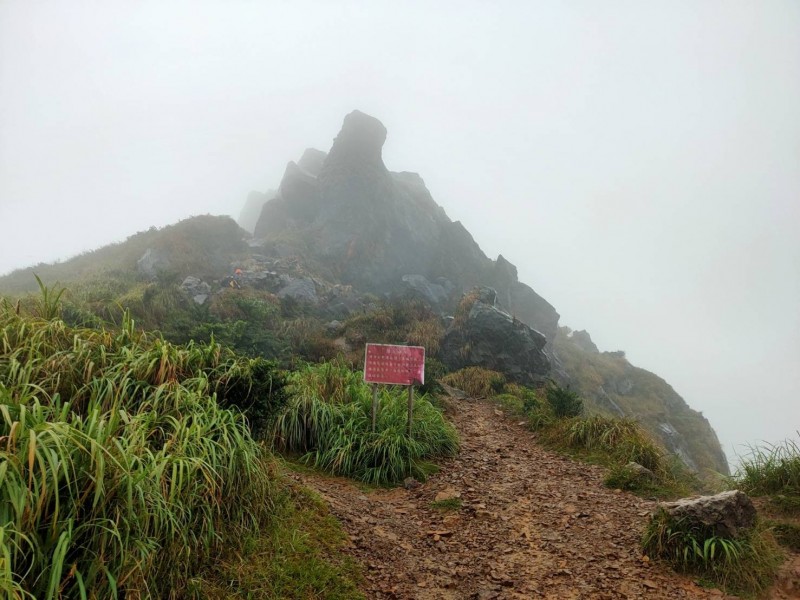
(532, 524)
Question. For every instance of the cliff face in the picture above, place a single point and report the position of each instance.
(371, 227)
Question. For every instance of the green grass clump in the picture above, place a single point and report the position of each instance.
(623, 440)
(297, 556)
(744, 565)
(564, 402)
(328, 419)
(476, 382)
(120, 474)
(447, 504)
(772, 469)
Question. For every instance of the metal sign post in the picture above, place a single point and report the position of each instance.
(394, 365)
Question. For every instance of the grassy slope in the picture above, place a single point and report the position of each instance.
(202, 246)
(650, 399)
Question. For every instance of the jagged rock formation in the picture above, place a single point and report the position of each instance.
(371, 228)
(251, 211)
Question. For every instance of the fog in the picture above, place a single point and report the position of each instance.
(639, 162)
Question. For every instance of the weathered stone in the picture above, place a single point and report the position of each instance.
(435, 294)
(198, 290)
(312, 161)
(302, 290)
(410, 483)
(639, 472)
(152, 262)
(493, 339)
(727, 515)
(583, 340)
(333, 326)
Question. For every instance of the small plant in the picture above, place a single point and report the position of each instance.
(49, 303)
(746, 564)
(564, 402)
(447, 504)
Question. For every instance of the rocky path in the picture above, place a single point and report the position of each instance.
(531, 524)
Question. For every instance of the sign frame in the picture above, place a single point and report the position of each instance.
(394, 364)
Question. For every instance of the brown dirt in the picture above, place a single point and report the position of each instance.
(532, 524)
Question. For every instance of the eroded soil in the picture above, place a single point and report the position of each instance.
(531, 524)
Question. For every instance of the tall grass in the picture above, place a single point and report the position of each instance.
(622, 439)
(771, 469)
(328, 419)
(119, 473)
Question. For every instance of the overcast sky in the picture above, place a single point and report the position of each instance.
(638, 161)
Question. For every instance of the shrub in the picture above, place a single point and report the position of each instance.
(746, 564)
(564, 402)
(328, 419)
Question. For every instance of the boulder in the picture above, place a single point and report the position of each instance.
(312, 160)
(198, 290)
(583, 340)
(302, 290)
(493, 339)
(151, 263)
(727, 515)
(639, 472)
(436, 295)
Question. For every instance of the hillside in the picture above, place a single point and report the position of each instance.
(345, 252)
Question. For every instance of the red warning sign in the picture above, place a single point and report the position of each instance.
(399, 365)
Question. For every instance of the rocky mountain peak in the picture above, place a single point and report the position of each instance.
(360, 142)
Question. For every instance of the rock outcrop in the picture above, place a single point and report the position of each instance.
(491, 338)
(374, 229)
(727, 515)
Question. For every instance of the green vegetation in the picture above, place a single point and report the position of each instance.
(564, 402)
(120, 473)
(772, 470)
(447, 504)
(328, 420)
(476, 382)
(745, 565)
(554, 413)
(296, 556)
(611, 386)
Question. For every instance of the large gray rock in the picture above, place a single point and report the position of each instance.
(152, 263)
(312, 161)
(436, 294)
(302, 290)
(493, 339)
(727, 515)
(198, 290)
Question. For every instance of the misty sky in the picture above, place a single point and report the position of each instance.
(638, 161)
